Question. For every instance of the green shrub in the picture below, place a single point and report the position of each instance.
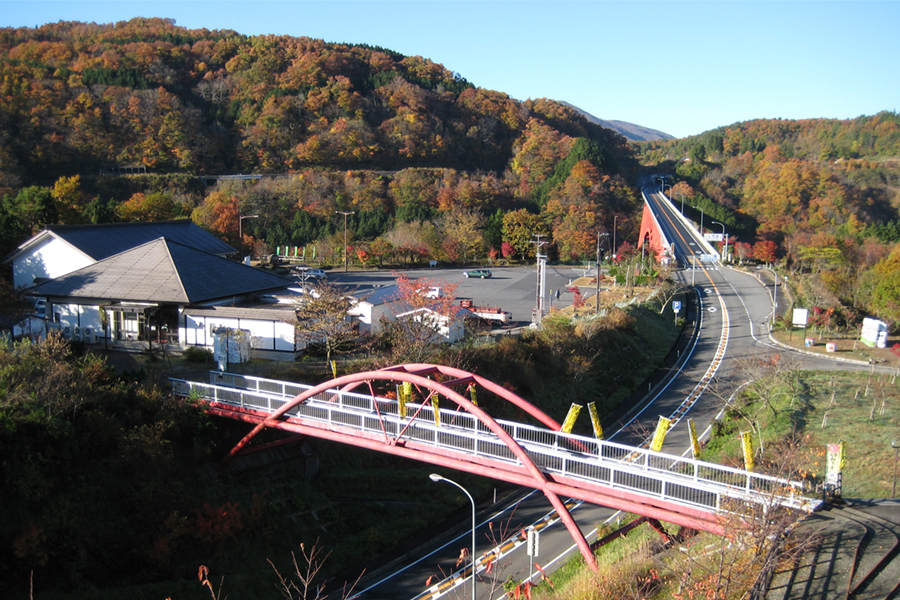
(198, 355)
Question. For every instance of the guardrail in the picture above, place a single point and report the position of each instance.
(668, 477)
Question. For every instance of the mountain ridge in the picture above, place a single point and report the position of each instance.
(631, 131)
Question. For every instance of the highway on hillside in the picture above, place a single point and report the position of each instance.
(689, 248)
(733, 312)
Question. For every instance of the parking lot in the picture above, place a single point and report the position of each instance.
(514, 289)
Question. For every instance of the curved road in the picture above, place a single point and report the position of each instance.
(733, 315)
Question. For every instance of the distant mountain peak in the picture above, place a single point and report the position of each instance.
(632, 132)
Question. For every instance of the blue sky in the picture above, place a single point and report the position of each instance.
(679, 67)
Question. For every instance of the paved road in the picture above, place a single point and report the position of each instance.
(743, 297)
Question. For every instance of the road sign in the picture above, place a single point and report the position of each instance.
(534, 542)
(709, 257)
(676, 305)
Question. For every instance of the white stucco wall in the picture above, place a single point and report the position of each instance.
(74, 317)
(265, 334)
(51, 258)
(370, 316)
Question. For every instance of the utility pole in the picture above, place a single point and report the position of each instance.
(597, 296)
(774, 299)
(541, 279)
(615, 220)
(345, 234)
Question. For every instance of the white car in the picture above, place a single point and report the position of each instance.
(306, 274)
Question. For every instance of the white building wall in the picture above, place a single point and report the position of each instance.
(50, 259)
(370, 316)
(265, 334)
(75, 321)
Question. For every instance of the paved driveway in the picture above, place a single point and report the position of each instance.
(513, 289)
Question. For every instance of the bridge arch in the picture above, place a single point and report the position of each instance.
(416, 375)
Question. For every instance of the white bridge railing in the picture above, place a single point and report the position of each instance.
(673, 478)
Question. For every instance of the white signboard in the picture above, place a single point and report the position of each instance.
(713, 237)
(874, 333)
(801, 316)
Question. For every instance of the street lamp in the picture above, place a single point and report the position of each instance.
(613, 249)
(435, 477)
(345, 234)
(682, 202)
(774, 296)
(597, 297)
(724, 235)
(701, 218)
(896, 448)
(241, 227)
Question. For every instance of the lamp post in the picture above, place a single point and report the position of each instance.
(241, 227)
(345, 234)
(774, 296)
(597, 297)
(896, 448)
(435, 477)
(682, 202)
(724, 235)
(615, 222)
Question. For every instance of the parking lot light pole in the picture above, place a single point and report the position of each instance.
(241, 227)
(597, 297)
(435, 477)
(345, 234)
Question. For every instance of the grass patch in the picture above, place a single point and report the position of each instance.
(808, 411)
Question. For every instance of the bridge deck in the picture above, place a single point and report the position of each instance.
(682, 481)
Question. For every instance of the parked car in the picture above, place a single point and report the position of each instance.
(483, 273)
(307, 274)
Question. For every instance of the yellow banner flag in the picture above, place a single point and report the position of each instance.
(660, 435)
(435, 400)
(569, 423)
(747, 445)
(595, 420)
(695, 441)
(834, 463)
(472, 394)
(334, 368)
(404, 393)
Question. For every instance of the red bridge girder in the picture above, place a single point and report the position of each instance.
(527, 473)
(651, 234)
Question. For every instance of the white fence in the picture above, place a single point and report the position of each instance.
(668, 477)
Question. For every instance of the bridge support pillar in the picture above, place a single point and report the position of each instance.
(651, 234)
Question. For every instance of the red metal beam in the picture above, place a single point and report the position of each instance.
(525, 473)
(534, 474)
(594, 493)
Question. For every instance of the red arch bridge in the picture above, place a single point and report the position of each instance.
(462, 436)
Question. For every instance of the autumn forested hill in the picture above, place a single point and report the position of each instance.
(430, 166)
(396, 139)
(822, 194)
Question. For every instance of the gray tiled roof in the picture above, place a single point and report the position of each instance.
(108, 239)
(270, 312)
(162, 271)
(384, 295)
